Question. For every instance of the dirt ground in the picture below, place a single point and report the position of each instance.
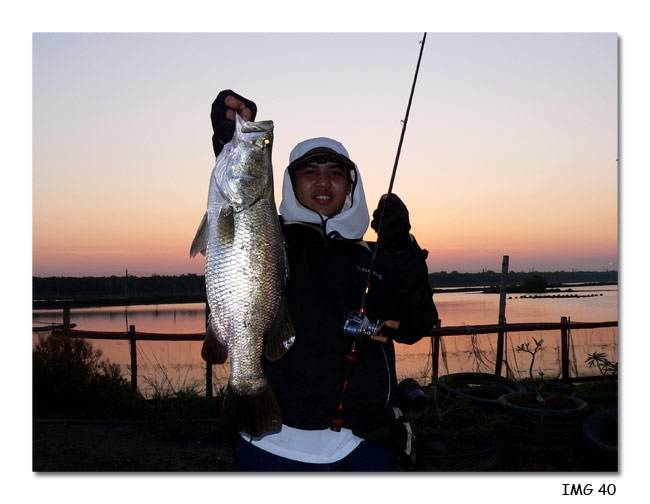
(90, 447)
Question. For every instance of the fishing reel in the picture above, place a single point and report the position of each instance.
(356, 326)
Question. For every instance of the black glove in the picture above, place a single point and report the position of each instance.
(395, 226)
(224, 128)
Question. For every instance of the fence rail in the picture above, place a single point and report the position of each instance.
(464, 330)
(142, 336)
(528, 326)
(565, 325)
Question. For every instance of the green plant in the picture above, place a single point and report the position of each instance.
(456, 423)
(162, 383)
(608, 369)
(70, 376)
(525, 347)
(441, 404)
(185, 414)
(605, 366)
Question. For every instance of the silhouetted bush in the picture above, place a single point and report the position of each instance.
(69, 376)
(535, 283)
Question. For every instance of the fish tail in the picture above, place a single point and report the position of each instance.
(255, 412)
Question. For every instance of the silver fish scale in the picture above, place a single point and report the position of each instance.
(245, 271)
(244, 285)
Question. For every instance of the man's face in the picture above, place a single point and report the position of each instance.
(322, 186)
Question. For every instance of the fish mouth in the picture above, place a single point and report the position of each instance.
(256, 127)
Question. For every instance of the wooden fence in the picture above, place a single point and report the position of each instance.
(564, 326)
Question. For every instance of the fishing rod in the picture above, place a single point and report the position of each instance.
(356, 325)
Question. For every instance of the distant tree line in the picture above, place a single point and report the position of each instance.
(194, 285)
(117, 286)
(493, 278)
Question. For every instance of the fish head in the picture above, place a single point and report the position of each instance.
(246, 174)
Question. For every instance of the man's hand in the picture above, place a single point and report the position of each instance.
(395, 226)
(224, 109)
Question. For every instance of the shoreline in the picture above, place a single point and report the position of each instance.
(98, 302)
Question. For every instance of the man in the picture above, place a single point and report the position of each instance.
(324, 217)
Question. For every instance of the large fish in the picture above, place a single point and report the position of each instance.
(245, 274)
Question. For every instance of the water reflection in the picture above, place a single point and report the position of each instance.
(174, 365)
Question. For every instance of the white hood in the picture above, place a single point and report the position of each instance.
(353, 220)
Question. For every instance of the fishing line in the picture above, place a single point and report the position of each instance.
(392, 178)
(356, 325)
(443, 353)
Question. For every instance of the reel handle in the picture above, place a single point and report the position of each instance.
(357, 327)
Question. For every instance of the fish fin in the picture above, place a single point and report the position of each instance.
(281, 337)
(215, 348)
(255, 413)
(200, 242)
(226, 227)
(239, 124)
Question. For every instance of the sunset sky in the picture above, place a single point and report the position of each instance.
(511, 146)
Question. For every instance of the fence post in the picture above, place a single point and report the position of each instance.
(208, 366)
(564, 347)
(502, 314)
(134, 359)
(208, 379)
(435, 353)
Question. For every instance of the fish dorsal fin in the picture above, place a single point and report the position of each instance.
(200, 242)
(281, 337)
(239, 123)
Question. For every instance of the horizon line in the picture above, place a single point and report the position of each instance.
(573, 270)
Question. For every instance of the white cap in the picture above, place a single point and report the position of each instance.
(353, 220)
(315, 146)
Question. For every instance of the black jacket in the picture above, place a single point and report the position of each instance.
(327, 280)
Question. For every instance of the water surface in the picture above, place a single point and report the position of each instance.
(173, 365)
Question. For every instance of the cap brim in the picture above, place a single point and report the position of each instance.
(319, 151)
